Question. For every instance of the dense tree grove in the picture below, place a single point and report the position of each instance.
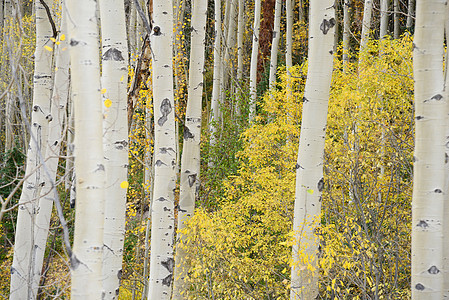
(237, 149)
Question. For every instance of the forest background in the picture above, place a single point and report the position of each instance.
(238, 243)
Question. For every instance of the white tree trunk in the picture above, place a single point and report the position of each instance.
(446, 166)
(240, 32)
(23, 261)
(346, 32)
(114, 82)
(410, 14)
(56, 119)
(384, 18)
(366, 24)
(87, 257)
(396, 18)
(162, 214)
(190, 161)
(309, 168)
(429, 156)
(275, 43)
(216, 88)
(289, 35)
(254, 55)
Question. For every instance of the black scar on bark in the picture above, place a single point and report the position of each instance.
(419, 118)
(164, 150)
(433, 270)
(156, 30)
(326, 25)
(304, 99)
(446, 158)
(74, 262)
(422, 224)
(187, 133)
(73, 42)
(161, 199)
(437, 97)
(419, 287)
(169, 264)
(320, 185)
(192, 179)
(167, 280)
(113, 54)
(165, 110)
(160, 163)
(119, 274)
(117, 291)
(438, 191)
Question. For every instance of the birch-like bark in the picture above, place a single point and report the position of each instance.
(216, 87)
(240, 32)
(23, 260)
(366, 24)
(114, 82)
(190, 161)
(396, 18)
(230, 44)
(52, 152)
(410, 14)
(162, 213)
(289, 35)
(346, 32)
(429, 156)
(384, 18)
(275, 43)
(309, 168)
(254, 55)
(87, 257)
(446, 167)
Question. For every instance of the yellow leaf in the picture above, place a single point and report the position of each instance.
(53, 40)
(56, 69)
(48, 48)
(103, 91)
(121, 78)
(310, 191)
(107, 103)
(58, 42)
(124, 184)
(65, 48)
(62, 38)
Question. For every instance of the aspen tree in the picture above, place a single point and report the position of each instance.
(289, 35)
(446, 167)
(216, 88)
(55, 119)
(275, 43)
(115, 127)
(240, 31)
(366, 23)
(162, 214)
(87, 257)
(429, 155)
(410, 13)
(309, 168)
(346, 31)
(396, 18)
(23, 260)
(254, 56)
(190, 161)
(384, 18)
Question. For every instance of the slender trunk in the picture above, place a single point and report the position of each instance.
(275, 43)
(429, 155)
(309, 170)
(346, 32)
(384, 18)
(240, 32)
(366, 24)
(446, 167)
(56, 119)
(396, 18)
(115, 139)
(410, 14)
(87, 257)
(190, 161)
(229, 45)
(254, 56)
(162, 214)
(22, 266)
(216, 88)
